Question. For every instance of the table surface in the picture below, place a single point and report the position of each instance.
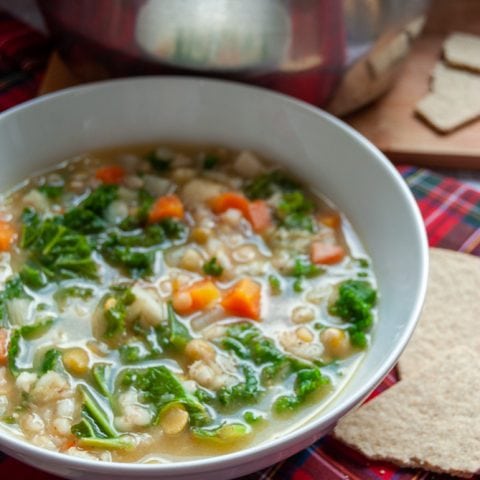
(450, 208)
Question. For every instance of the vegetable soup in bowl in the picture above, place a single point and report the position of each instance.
(196, 276)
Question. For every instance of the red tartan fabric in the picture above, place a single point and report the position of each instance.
(450, 209)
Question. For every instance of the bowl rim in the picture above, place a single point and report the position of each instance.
(307, 430)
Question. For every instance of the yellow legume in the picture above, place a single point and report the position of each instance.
(76, 360)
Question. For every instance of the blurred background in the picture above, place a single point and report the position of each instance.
(341, 55)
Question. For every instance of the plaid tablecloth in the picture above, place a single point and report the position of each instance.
(450, 209)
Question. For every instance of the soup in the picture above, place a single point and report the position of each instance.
(174, 302)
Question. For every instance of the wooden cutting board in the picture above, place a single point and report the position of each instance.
(391, 123)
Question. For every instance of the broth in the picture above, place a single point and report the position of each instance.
(162, 303)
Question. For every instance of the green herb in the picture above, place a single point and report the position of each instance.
(117, 443)
(160, 164)
(95, 429)
(13, 289)
(294, 211)
(247, 342)
(144, 202)
(307, 382)
(204, 395)
(30, 227)
(225, 433)
(159, 387)
(174, 230)
(57, 250)
(363, 262)
(356, 299)
(213, 268)
(264, 186)
(179, 335)
(33, 277)
(306, 269)
(135, 251)
(14, 352)
(134, 353)
(52, 360)
(210, 162)
(252, 417)
(51, 191)
(137, 263)
(298, 285)
(35, 330)
(87, 217)
(63, 294)
(100, 373)
(357, 338)
(116, 314)
(84, 221)
(247, 392)
(275, 285)
(100, 199)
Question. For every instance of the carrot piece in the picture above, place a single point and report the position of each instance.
(195, 297)
(4, 339)
(259, 215)
(7, 236)
(243, 299)
(326, 254)
(110, 174)
(257, 212)
(331, 220)
(221, 203)
(168, 206)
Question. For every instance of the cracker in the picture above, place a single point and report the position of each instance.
(454, 100)
(462, 50)
(447, 113)
(454, 82)
(451, 313)
(429, 421)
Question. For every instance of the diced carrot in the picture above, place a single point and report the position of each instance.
(259, 215)
(257, 212)
(221, 203)
(168, 206)
(195, 297)
(326, 254)
(4, 338)
(7, 235)
(110, 174)
(243, 299)
(331, 220)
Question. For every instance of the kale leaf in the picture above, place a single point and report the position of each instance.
(295, 211)
(95, 429)
(115, 310)
(247, 392)
(58, 251)
(265, 185)
(159, 163)
(356, 299)
(307, 382)
(52, 192)
(223, 434)
(159, 387)
(52, 360)
(213, 268)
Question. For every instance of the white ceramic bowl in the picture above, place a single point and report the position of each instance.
(319, 148)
